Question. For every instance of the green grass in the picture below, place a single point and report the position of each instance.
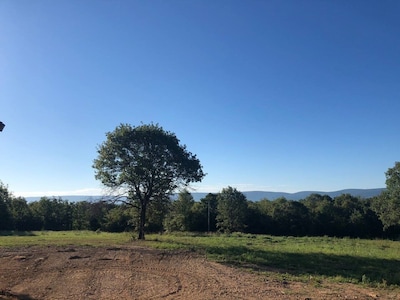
(59, 238)
(371, 262)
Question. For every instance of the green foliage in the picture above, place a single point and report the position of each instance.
(118, 219)
(317, 215)
(393, 181)
(258, 218)
(343, 216)
(204, 214)
(156, 214)
(180, 217)
(53, 213)
(21, 214)
(321, 214)
(145, 163)
(5, 214)
(387, 205)
(352, 217)
(232, 210)
(81, 215)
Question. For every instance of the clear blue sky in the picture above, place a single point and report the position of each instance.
(271, 95)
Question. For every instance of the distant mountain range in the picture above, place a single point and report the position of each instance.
(363, 193)
(259, 195)
(254, 195)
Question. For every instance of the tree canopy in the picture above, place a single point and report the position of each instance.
(145, 163)
(232, 210)
(387, 206)
(181, 216)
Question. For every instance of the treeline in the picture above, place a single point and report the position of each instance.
(227, 211)
(316, 215)
(58, 214)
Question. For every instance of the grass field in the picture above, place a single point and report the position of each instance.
(43, 238)
(371, 262)
(313, 259)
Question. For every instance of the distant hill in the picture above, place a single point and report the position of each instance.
(259, 195)
(69, 198)
(363, 193)
(253, 195)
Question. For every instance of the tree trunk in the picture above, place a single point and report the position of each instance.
(142, 219)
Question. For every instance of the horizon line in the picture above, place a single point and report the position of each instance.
(35, 194)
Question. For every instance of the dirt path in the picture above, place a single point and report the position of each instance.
(140, 273)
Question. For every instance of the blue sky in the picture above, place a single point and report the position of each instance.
(270, 95)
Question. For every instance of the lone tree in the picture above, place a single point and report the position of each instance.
(145, 164)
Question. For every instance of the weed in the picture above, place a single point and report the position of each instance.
(365, 279)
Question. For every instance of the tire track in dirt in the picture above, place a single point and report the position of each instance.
(168, 267)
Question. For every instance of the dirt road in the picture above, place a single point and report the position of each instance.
(141, 273)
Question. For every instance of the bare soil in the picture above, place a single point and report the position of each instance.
(133, 272)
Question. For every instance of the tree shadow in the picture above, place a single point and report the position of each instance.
(350, 268)
(14, 296)
(16, 233)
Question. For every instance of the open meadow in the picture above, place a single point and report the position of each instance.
(97, 265)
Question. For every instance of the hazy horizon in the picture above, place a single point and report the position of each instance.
(63, 194)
